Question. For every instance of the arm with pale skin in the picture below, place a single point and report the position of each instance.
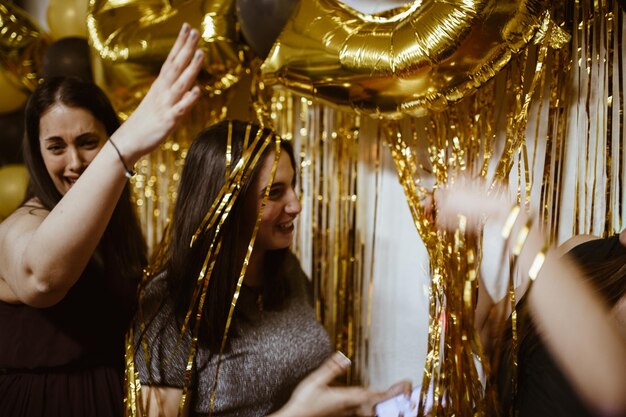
(576, 326)
(42, 254)
(313, 397)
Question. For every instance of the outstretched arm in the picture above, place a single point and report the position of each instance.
(42, 254)
(574, 323)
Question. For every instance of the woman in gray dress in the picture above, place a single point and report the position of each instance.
(274, 339)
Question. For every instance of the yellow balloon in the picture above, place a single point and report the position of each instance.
(133, 37)
(422, 57)
(68, 18)
(22, 46)
(13, 184)
(12, 98)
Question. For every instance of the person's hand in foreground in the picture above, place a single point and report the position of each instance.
(315, 397)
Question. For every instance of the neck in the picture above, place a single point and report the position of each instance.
(254, 272)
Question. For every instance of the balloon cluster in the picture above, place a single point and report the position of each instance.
(29, 53)
(407, 62)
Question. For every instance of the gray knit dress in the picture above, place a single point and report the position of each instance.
(273, 352)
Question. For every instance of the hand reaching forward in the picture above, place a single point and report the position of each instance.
(169, 99)
(314, 397)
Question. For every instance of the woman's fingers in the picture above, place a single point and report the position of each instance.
(173, 68)
(180, 40)
(187, 101)
(368, 403)
(183, 34)
(332, 367)
(185, 80)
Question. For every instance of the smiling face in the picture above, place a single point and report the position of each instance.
(69, 139)
(282, 207)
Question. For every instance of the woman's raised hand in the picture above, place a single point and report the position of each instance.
(471, 199)
(169, 99)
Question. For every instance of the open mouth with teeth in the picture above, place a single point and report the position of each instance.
(286, 227)
(70, 181)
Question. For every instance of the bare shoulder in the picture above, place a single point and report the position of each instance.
(574, 241)
(19, 227)
(24, 218)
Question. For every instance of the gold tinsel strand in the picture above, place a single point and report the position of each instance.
(466, 137)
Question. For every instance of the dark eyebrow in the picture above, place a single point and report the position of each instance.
(82, 136)
(274, 185)
(53, 139)
(87, 135)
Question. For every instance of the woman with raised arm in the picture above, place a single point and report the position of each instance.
(72, 254)
(274, 339)
(576, 326)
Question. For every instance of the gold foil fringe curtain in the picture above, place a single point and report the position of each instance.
(519, 129)
(550, 123)
(327, 239)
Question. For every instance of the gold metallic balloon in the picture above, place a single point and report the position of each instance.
(132, 39)
(11, 98)
(423, 57)
(67, 18)
(13, 183)
(22, 45)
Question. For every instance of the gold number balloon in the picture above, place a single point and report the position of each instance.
(22, 45)
(420, 58)
(132, 39)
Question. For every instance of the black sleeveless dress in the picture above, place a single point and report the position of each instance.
(543, 390)
(66, 360)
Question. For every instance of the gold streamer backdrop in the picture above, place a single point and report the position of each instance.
(519, 120)
(551, 123)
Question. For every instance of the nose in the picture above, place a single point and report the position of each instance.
(293, 206)
(76, 162)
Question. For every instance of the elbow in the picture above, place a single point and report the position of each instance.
(610, 401)
(43, 292)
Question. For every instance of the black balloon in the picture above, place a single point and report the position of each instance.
(11, 132)
(68, 57)
(262, 21)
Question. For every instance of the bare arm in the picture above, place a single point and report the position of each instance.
(574, 241)
(42, 254)
(575, 325)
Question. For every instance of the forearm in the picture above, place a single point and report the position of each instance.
(61, 246)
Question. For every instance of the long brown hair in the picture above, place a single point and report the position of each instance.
(122, 246)
(202, 178)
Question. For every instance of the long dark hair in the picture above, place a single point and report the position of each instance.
(122, 248)
(202, 178)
